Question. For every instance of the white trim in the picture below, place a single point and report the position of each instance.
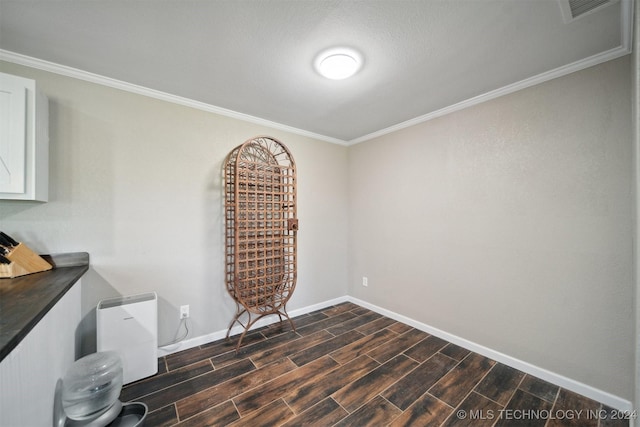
(75, 73)
(552, 377)
(626, 24)
(544, 374)
(626, 33)
(626, 39)
(523, 84)
(567, 15)
(214, 336)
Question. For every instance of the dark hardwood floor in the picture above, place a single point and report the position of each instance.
(349, 366)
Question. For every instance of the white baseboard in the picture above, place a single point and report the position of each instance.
(544, 374)
(214, 336)
(609, 399)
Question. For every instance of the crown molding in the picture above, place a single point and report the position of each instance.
(523, 84)
(626, 37)
(75, 73)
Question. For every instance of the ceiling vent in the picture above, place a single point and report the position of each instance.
(574, 9)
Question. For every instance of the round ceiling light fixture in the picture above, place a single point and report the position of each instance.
(338, 63)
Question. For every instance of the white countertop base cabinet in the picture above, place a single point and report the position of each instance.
(28, 375)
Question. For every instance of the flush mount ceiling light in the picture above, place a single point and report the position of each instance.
(338, 63)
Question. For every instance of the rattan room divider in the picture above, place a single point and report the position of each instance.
(260, 230)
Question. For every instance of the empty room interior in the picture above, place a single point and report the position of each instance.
(443, 234)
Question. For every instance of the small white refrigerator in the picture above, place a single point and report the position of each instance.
(129, 326)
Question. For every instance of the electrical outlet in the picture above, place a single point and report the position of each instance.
(365, 281)
(184, 311)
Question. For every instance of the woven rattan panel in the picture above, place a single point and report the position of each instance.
(261, 229)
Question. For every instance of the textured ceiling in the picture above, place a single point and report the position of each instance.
(256, 57)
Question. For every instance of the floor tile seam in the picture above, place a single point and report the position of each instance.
(391, 403)
(172, 384)
(234, 378)
(407, 349)
(433, 397)
(291, 409)
(451, 358)
(253, 410)
(555, 408)
(455, 409)
(399, 379)
(185, 366)
(361, 354)
(197, 414)
(364, 336)
(489, 398)
(395, 332)
(347, 330)
(515, 389)
(371, 333)
(470, 390)
(382, 362)
(323, 342)
(235, 407)
(432, 354)
(283, 345)
(265, 382)
(391, 421)
(379, 392)
(301, 331)
(272, 380)
(458, 362)
(270, 337)
(347, 384)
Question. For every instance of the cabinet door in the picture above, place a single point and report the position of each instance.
(24, 140)
(13, 136)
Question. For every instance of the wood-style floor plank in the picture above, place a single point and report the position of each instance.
(456, 384)
(426, 411)
(362, 346)
(397, 345)
(325, 413)
(348, 366)
(321, 349)
(282, 385)
(221, 415)
(376, 412)
(478, 412)
(315, 391)
(270, 355)
(407, 390)
(272, 414)
(523, 402)
(500, 383)
(213, 396)
(181, 390)
(368, 386)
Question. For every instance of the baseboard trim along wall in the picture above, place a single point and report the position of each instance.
(552, 377)
(591, 392)
(218, 335)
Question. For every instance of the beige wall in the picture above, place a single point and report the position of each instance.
(136, 182)
(509, 224)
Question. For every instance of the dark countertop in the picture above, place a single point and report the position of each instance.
(25, 300)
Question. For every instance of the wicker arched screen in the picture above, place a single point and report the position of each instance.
(261, 229)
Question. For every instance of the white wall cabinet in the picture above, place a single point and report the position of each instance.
(24, 140)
